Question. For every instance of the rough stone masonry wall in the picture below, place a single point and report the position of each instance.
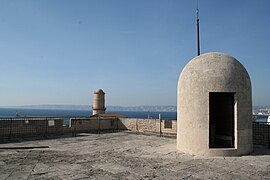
(95, 124)
(42, 127)
(164, 127)
(25, 127)
(29, 127)
(11, 128)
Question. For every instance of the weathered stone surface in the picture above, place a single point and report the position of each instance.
(99, 102)
(124, 155)
(205, 74)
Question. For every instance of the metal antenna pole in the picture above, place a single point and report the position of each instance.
(198, 29)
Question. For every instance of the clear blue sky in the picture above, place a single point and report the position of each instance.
(60, 51)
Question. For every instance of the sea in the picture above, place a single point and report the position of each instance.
(12, 112)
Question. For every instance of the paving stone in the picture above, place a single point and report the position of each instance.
(124, 155)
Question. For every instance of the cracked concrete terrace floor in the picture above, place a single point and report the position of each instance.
(123, 155)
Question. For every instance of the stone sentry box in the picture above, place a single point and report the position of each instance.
(214, 107)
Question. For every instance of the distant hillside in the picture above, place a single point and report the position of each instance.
(59, 107)
(109, 108)
(143, 108)
(114, 108)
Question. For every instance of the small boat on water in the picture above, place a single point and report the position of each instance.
(17, 114)
(262, 118)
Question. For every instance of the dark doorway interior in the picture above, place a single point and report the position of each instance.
(221, 132)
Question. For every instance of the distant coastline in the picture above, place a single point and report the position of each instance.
(143, 108)
(89, 108)
(167, 112)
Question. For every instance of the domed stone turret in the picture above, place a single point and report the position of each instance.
(99, 102)
(214, 107)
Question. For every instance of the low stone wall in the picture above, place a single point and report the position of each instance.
(157, 126)
(164, 127)
(30, 127)
(80, 125)
(24, 127)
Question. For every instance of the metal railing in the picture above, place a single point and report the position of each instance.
(45, 126)
(31, 126)
(261, 134)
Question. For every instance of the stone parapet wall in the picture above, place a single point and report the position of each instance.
(24, 127)
(163, 127)
(95, 124)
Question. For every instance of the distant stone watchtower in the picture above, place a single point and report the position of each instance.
(99, 102)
